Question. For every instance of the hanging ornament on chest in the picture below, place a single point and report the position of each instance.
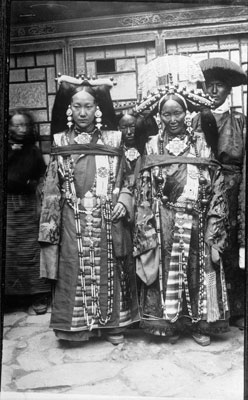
(83, 138)
(176, 146)
(132, 154)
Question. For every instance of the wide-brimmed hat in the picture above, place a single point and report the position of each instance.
(224, 70)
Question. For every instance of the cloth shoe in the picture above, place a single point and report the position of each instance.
(115, 339)
(174, 338)
(239, 322)
(200, 339)
(40, 304)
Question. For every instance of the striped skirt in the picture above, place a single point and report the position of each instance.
(22, 267)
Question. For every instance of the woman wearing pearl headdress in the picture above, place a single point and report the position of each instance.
(181, 223)
(84, 248)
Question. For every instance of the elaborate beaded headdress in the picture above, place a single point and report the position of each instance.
(158, 72)
(68, 86)
(81, 79)
(193, 98)
(171, 74)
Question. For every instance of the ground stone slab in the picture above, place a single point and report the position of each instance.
(151, 378)
(34, 361)
(43, 341)
(68, 375)
(23, 331)
(43, 319)
(8, 351)
(6, 377)
(55, 356)
(90, 351)
(224, 387)
(109, 387)
(218, 364)
(13, 318)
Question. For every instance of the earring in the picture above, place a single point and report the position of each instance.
(187, 121)
(69, 116)
(98, 115)
(158, 121)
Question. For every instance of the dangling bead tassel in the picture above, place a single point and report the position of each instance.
(98, 115)
(187, 121)
(158, 121)
(69, 117)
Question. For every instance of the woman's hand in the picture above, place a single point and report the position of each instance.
(118, 212)
(16, 146)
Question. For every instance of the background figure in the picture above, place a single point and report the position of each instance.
(84, 246)
(221, 75)
(26, 168)
(127, 126)
(180, 229)
(135, 130)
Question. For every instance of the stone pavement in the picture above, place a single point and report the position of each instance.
(35, 365)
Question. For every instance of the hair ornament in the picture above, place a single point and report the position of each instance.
(79, 79)
(69, 116)
(124, 106)
(98, 116)
(196, 98)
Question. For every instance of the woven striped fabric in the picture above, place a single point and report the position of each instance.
(79, 320)
(22, 270)
(177, 273)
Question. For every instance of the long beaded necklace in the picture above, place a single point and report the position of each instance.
(159, 199)
(203, 201)
(106, 206)
(182, 258)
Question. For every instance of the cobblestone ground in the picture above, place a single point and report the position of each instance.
(35, 365)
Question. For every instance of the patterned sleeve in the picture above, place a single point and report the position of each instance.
(49, 232)
(216, 234)
(242, 193)
(51, 208)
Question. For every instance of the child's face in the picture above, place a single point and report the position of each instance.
(127, 127)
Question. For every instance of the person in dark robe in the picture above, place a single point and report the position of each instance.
(26, 169)
(221, 76)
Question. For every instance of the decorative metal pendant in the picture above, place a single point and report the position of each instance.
(88, 201)
(176, 146)
(83, 138)
(132, 154)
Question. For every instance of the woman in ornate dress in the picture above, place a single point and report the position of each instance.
(83, 246)
(180, 227)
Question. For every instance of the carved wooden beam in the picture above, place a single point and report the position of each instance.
(182, 17)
